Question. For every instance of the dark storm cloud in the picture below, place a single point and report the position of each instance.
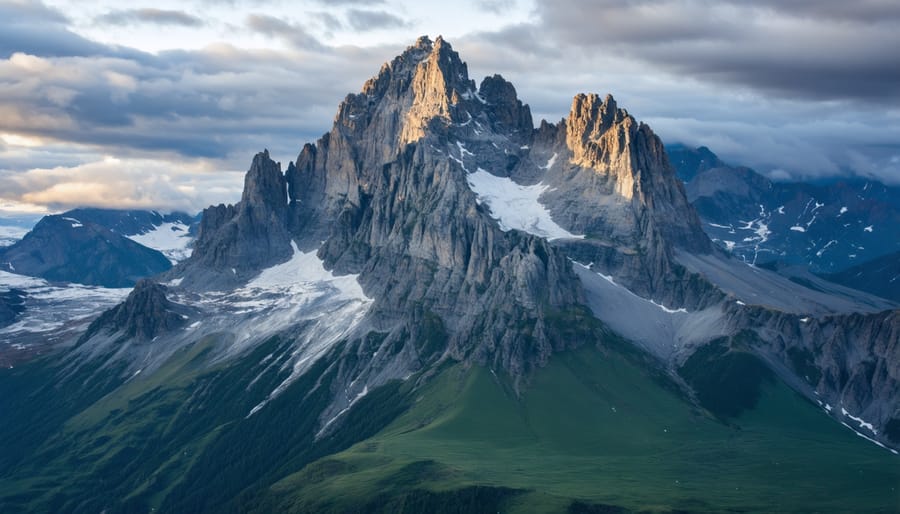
(362, 20)
(801, 49)
(149, 16)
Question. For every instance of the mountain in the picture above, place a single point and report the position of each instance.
(880, 276)
(439, 308)
(172, 233)
(65, 249)
(825, 227)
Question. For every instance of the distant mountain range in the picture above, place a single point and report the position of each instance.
(827, 227)
(880, 276)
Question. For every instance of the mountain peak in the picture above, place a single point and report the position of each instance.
(423, 43)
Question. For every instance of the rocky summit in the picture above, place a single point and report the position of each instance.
(435, 289)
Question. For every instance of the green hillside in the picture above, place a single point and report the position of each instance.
(596, 433)
(597, 430)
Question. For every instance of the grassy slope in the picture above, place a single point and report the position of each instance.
(599, 429)
(176, 440)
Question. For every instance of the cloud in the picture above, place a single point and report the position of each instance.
(150, 16)
(123, 184)
(805, 49)
(806, 138)
(276, 27)
(374, 20)
(751, 80)
(868, 11)
(496, 6)
(327, 21)
(34, 28)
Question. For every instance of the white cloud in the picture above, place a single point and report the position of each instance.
(123, 183)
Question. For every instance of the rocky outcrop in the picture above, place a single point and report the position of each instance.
(611, 180)
(252, 234)
(144, 315)
(66, 249)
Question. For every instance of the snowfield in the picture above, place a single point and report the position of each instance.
(49, 307)
(172, 239)
(515, 206)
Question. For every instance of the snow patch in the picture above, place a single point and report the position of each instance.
(462, 150)
(171, 239)
(867, 438)
(666, 309)
(862, 423)
(515, 206)
(822, 251)
(550, 162)
(798, 228)
(870, 228)
(75, 223)
(843, 211)
(295, 291)
(50, 307)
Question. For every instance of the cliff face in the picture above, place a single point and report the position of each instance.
(144, 315)
(252, 234)
(847, 361)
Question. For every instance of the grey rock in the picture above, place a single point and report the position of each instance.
(144, 315)
(244, 238)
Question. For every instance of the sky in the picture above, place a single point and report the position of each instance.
(161, 105)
